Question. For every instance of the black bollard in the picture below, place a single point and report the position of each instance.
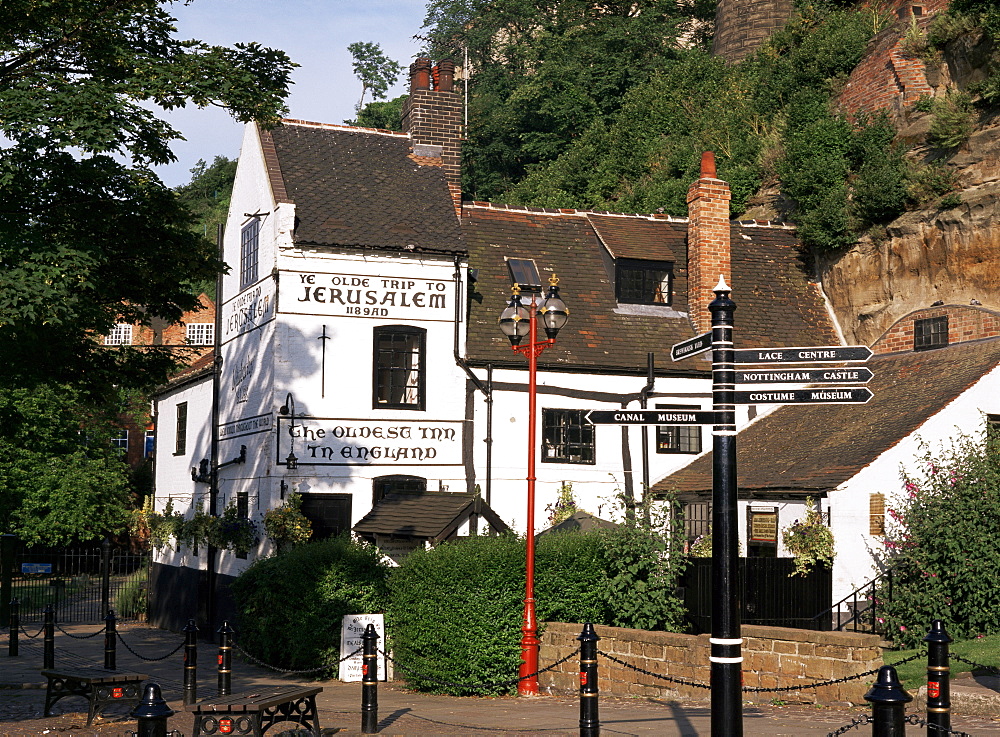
(369, 681)
(938, 686)
(49, 640)
(888, 699)
(190, 663)
(110, 644)
(152, 713)
(590, 723)
(15, 628)
(225, 659)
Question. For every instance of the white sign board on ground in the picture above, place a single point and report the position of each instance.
(353, 628)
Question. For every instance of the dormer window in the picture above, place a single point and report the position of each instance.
(644, 282)
(930, 333)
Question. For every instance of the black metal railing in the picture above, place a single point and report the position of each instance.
(860, 610)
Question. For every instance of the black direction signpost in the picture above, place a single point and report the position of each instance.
(692, 347)
(817, 354)
(726, 656)
(651, 417)
(850, 375)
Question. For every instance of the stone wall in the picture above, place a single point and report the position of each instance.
(773, 657)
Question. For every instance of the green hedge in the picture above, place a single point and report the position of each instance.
(455, 612)
(290, 607)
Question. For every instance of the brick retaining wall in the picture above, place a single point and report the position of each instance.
(774, 656)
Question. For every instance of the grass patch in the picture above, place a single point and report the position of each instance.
(985, 650)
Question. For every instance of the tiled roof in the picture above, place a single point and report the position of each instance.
(358, 187)
(777, 304)
(808, 448)
(432, 515)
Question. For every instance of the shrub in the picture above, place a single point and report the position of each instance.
(130, 600)
(290, 607)
(954, 120)
(943, 548)
(809, 541)
(454, 614)
(456, 611)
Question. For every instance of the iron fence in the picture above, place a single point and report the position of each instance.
(81, 583)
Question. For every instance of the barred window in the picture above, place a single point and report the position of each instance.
(399, 368)
(697, 520)
(930, 333)
(396, 484)
(678, 438)
(643, 282)
(250, 242)
(567, 437)
(201, 333)
(121, 334)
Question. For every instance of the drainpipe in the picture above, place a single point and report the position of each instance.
(487, 389)
(643, 404)
(213, 492)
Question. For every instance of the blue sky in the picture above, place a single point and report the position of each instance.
(315, 34)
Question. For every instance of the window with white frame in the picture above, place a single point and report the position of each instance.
(121, 334)
(120, 440)
(201, 333)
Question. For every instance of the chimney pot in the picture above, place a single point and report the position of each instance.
(420, 75)
(708, 165)
(445, 77)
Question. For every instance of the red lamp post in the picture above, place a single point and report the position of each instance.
(517, 322)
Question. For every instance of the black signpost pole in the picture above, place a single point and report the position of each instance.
(726, 653)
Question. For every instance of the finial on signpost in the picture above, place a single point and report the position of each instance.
(722, 286)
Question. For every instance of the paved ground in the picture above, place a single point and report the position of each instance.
(400, 712)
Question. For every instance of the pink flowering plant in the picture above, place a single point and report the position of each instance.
(943, 544)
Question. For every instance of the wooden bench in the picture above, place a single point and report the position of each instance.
(98, 686)
(254, 712)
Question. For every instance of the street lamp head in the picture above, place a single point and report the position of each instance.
(291, 463)
(554, 312)
(514, 320)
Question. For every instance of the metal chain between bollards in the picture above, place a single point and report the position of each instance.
(143, 657)
(78, 637)
(854, 724)
(992, 669)
(650, 673)
(752, 689)
(916, 721)
(32, 637)
(478, 686)
(845, 679)
(320, 669)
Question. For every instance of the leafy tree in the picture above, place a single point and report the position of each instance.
(376, 71)
(387, 115)
(543, 72)
(944, 551)
(89, 236)
(61, 480)
(207, 196)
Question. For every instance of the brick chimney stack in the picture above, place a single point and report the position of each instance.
(432, 115)
(708, 241)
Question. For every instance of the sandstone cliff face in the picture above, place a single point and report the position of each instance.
(952, 254)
